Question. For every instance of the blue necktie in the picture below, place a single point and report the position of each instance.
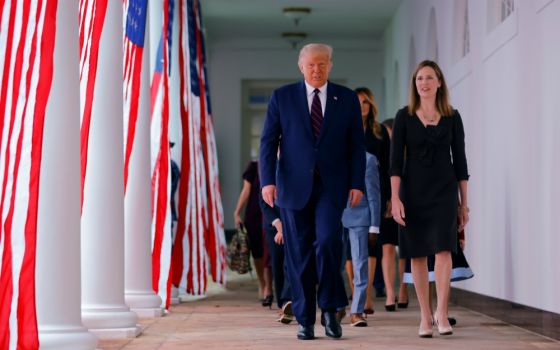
(316, 114)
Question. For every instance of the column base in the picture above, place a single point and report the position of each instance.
(73, 338)
(110, 323)
(117, 333)
(145, 305)
(147, 312)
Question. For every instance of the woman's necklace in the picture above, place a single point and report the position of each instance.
(429, 119)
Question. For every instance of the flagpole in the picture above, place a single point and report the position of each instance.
(58, 224)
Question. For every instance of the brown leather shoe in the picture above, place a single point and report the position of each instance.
(357, 320)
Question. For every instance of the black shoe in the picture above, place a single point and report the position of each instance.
(452, 321)
(403, 305)
(305, 333)
(332, 326)
(268, 301)
(340, 314)
(390, 308)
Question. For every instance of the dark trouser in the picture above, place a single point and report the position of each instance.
(281, 285)
(313, 251)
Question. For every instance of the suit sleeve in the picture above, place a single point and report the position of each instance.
(357, 147)
(373, 191)
(269, 214)
(270, 139)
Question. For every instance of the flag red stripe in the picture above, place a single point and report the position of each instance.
(26, 318)
(161, 169)
(6, 278)
(97, 28)
(134, 98)
(26, 307)
(177, 254)
(210, 233)
(7, 62)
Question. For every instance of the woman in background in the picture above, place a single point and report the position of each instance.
(249, 200)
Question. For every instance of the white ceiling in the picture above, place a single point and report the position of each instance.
(263, 21)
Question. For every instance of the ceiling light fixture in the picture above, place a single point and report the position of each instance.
(294, 38)
(296, 13)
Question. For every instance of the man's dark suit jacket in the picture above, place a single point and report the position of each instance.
(338, 154)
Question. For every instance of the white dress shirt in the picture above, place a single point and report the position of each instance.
(322, 96)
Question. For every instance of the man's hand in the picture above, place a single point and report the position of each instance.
(355, 197)
(269, 194)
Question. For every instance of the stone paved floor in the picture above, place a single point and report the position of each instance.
(232, 318)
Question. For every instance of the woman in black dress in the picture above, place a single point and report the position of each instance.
(429, 187)
(378, 143)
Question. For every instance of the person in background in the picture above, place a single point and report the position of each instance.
(362, 222)
(429, 179)
(389, 236)
(378, 143)
(249, 200)
(272, 225)
(175, 176)
(317, 126)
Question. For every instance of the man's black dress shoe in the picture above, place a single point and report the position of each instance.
(305, 332)
(332, 326)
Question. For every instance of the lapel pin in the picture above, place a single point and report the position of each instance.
(335, 98)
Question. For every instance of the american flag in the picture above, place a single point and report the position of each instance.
(91, 18)
(134, 28)
(27, 32)
(160, 162)
(200, 229)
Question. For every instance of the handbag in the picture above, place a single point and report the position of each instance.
(238, 251)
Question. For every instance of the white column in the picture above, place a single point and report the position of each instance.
(139, 294)
(174, 300)
(58, 226)
(104, 310)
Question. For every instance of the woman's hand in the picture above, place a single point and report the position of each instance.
(397, 210)
(237, 220)
(279, 238)
(462, 244)
(463, 217)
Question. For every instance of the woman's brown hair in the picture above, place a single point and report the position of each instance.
(371, 119)
(442, 95)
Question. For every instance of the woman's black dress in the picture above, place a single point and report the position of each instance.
(430, 160)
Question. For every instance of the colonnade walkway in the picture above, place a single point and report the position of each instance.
(232, 318)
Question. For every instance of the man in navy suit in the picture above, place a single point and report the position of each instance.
(317, 127)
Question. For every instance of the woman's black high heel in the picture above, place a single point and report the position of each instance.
(403, 305)
(268, 301)
(391, 307)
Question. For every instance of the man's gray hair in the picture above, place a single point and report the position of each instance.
(317, 48)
